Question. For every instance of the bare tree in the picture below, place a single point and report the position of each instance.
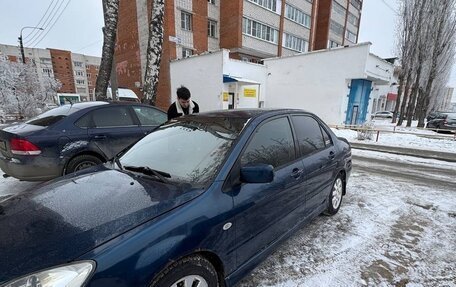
(111, 16)
(154, 51)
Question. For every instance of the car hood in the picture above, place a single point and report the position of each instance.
(63, 219)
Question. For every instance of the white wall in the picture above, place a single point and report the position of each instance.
(203, 76)
(379, 68)
(316, 81)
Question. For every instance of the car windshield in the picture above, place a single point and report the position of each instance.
(189, 150)
(52, 116)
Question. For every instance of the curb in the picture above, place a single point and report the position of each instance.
(445, 156)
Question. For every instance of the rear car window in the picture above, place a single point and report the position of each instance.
(52, 116)
(112, 117)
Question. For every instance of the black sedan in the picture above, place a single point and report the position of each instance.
(73, 137)
(198, 202)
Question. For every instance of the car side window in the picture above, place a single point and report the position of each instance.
(149, 116)
(272, 143)
(84, 122)
(112, 117)
(308, 132)
(326, 137)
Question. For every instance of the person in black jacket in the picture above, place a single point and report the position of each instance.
(183, 106)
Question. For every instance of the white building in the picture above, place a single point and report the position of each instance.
(339, 85)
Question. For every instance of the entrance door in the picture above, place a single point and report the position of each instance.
(230, 101)
(354, 118)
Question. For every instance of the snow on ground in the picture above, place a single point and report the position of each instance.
(419, 140)
(390, 231)
(10, 186)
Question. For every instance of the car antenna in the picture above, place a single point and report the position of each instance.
(68, 99)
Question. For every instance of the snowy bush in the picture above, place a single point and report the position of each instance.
(366, 131)
(21, 92)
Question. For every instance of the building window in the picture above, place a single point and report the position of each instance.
(186, 52)
(295, 43)
(353, 19)
(356, 4)
(337, 28)
(350, 36)
(80, 82)
(47, 71)
(186, 21)
(261, 31)
(81, 90)
(212, 28)
(268, 4)
(79, 73)
(89, 75)
(297, 16)
(211, 2)
(333, 44)
(337, 8)
(78, 64)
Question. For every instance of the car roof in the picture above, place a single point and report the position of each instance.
(246, 113)
(84, 105)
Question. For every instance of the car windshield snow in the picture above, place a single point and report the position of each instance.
(189, 150)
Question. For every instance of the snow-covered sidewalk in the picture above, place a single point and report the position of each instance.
(418, 139)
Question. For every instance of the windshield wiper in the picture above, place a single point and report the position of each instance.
(149, 171)
(117, 161)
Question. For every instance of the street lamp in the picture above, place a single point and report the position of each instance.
(20, 40)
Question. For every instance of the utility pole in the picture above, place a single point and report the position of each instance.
(22, 44)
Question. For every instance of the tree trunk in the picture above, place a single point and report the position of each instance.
(111, 16)
(154, 51)
(398, 99)
(405, 98)
(413, 97)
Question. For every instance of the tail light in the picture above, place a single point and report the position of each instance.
(23, 147)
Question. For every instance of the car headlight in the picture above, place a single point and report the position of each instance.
(72, 275)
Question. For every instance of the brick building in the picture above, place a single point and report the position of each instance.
(76, 72)
(251, 29)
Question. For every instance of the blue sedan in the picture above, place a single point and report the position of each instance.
(198, 202)
(73, 137)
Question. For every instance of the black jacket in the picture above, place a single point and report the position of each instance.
(172, 111)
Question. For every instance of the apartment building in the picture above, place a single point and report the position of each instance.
(251, 29)
(76, 72)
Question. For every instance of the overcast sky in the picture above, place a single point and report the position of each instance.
(79, 27)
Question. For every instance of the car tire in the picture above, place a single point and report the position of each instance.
(188, 272)
(82, 161)
(335, 196)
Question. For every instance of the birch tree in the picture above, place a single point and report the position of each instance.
(154, 51)
(111, 16)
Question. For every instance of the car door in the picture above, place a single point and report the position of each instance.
(263, 209)
(149, 117)
(113, 129)
(317, 153)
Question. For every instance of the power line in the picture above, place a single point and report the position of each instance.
(45, 23)
(88, 45)
(53, 24)
(390, 7)
(39, 22)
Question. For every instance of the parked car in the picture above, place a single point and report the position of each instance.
(438, 115)
(73, 137)
(200, 201)
(384, 114)
(444, 121)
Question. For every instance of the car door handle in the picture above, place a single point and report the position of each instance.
(99, 137)
(296, 173)
(332, 155)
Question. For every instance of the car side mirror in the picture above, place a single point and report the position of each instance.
(258, 173)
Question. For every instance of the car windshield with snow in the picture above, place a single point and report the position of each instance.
(200, 201)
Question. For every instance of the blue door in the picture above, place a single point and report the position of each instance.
(358, 102)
